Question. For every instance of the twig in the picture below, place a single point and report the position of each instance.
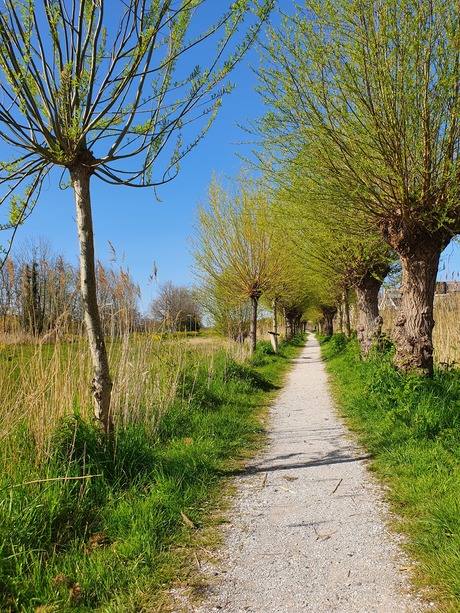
(286, 489)
(337, 486)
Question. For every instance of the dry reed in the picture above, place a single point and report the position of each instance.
(40, 384)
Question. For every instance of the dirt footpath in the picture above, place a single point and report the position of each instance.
(308, 529)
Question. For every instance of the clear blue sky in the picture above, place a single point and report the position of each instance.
(147, 231)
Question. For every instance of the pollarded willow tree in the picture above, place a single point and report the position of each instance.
(372, 89)
(230, 315)
(109, 89)
(235, 245)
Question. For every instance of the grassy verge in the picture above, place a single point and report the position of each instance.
(411, 427)
(105, 526)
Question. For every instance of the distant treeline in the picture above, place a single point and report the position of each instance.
(40, 295)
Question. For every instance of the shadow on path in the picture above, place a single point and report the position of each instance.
(335, 457)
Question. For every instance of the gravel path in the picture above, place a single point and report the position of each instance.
(308, 530)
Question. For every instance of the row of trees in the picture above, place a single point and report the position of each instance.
(366, 96)
(359, 153)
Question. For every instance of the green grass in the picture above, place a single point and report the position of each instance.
(107, 526)
(411, 427)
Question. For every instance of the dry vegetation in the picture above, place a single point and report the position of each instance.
(44, 382)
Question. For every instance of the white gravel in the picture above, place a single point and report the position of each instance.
(308, 529)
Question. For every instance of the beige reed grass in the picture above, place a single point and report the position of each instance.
(41, 384)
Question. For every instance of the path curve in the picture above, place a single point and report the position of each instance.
(307, 532)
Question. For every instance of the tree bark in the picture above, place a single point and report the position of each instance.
(419, 251)
(274, 335)
(369, 328)
(80, 174)
(275, 316)
(287, 325)
(413, 330)
(340, 315)
(253, 330)
(290, 320)
(328, 319)
(346, 313)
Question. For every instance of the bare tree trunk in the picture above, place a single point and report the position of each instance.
(413, 330)
(328, 319)
(346, 313)
(275, 316)
(287, 325)
(369, 326)
(80, 175)
(419, 252)
(298, 324)
(290, 322)
(253, 329)
(274, 334)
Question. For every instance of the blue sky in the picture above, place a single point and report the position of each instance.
(136, 224)
(144, 230)
(139, 227)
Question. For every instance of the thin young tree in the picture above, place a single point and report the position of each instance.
(372, 89)
(108, 89)
(235, 244)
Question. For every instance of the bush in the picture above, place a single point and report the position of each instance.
(262, 355)
(333, 345)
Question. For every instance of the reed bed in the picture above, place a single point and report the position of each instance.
(43, 383)
(446, 333)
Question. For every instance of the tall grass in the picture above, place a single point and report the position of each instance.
(96, 525)
(411, 426)
(40, 384)
(446, 333)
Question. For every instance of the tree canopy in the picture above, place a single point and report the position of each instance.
(110, 89)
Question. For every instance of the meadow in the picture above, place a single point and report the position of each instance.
(90, 524)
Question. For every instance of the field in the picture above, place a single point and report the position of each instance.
(91, 524)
